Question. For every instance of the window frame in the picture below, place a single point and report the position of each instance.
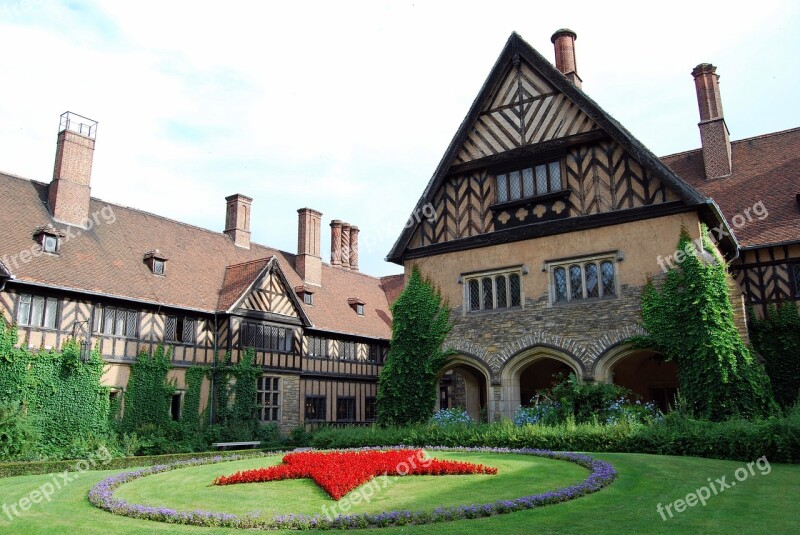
(504, 174)
(315, 342)
(316, 402)
(370, 406)
(308, 298)
(288, 337)
(266, 409)
(99, 321)
(183, 324)
(47, 303)
(351, 406)
(581, 262)
(469, 280)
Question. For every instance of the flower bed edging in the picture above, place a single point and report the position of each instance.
(101, 495)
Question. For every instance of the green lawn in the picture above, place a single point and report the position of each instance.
(759, 504)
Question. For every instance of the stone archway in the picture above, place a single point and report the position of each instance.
(643, 371)
(464, 383)
(531, 370)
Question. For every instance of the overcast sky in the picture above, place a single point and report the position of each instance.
(347, 107)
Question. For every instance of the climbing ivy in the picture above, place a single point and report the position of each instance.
(407, 384)
(148, 395)
(235, 391)
(776, 338)
(690, 320)
(59, 392)
(192, 419)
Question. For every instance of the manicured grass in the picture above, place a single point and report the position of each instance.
(760, 504)
(518, 475)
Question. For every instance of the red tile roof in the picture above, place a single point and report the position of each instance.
(764, 169)
(393, 285)
(108, 260)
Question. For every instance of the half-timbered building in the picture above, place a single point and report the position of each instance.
(550, 217)
(125, 280)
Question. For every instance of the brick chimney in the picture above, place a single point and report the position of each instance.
(564, 42)
(69, 192)
(336, 242)
(346, 245)
(237, 219)
(354, 248)
(309, 261)
(714, 135)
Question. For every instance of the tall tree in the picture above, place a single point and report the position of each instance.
(690, 320)
(407, 387)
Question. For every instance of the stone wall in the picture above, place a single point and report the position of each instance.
(583, 330)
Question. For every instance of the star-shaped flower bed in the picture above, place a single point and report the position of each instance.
(339, 472)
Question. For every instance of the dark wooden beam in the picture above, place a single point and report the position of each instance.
(522, 156)
(550, 228)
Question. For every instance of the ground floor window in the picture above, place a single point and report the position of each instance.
(315, 408)
(346, 409)
(269, 398)
(176, 407)
(370, 409)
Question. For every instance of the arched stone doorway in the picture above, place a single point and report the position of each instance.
(645, 372)
(463, 384)
(532, 370)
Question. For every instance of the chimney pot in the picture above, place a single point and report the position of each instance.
(308, 261)
(354, 248)
(237, 219)
(345, 245)
(714, 135)
(336, 242)
(69, 192)
(564, 43)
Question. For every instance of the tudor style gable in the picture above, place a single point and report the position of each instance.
(260, 289)
(534, 152)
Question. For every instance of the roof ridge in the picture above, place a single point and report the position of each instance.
(257, 260)
(737, 141)
(153, 214)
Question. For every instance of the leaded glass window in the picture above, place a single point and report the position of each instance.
(607, 270)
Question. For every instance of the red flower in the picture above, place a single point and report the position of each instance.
(339, 472)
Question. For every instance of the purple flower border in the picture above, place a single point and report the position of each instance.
(101, 495)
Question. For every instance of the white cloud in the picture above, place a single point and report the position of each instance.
(347, 107)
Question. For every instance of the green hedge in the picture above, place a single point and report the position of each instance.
(742, 440)
(50, 467)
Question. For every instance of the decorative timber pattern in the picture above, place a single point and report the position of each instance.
(603, 178)
(524, 109)
(462, 210)
(270, 296)
(768, 275)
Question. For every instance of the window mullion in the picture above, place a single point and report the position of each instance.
(583, 280)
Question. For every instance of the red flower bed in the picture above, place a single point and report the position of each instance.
(339, 472)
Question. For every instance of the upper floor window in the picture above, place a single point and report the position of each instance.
(377, 353)
(180, 329)
(530, 181)
(493, 291)
(592, 278)
(266, 337)
(37, 311)
(357, 304)
(115, 321)
(317, 347)
(796, 278)
(348, 351)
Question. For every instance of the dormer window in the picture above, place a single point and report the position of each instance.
(156, 261)
(357, 305)
(539, 179)
(306, 293)
(49, 238)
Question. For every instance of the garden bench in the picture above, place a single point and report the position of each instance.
(226, 445)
